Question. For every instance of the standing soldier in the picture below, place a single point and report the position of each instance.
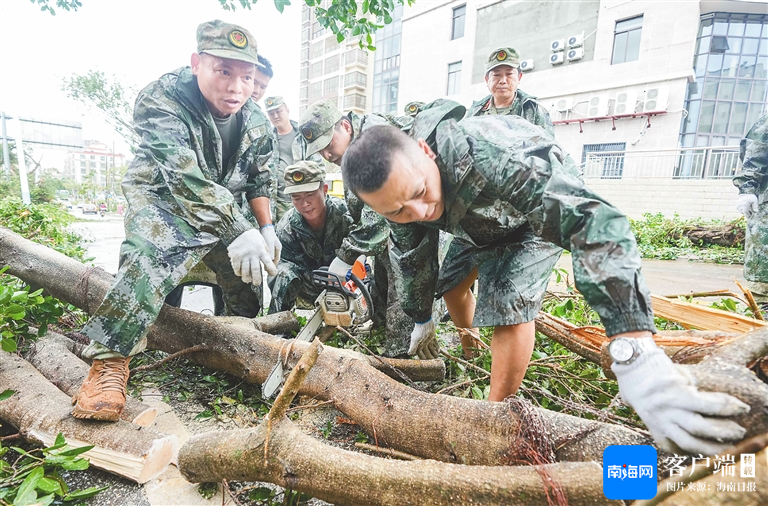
(204, 146)
(329, 132)
(288, 142)
(497, 183)
(752, 183)
(312, 235)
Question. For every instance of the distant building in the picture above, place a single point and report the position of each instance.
(332, 70)
(95, 158)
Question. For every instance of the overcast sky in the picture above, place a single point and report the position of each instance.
(136, 40)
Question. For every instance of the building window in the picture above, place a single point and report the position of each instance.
(731, 88)
(355, 79)
(354, 101)
(457, 26)
(316, 70)
(305, 35)
(317, 30)
(607, 166)
(386, 65)
(332, 64)
(305, 12)
(331, 86)
(316, 90)
(316, 51)
(304, 92)
(304, 74)
(356, 56)
(454, 78)
(331, 44)
(626, 40)
(305, 54)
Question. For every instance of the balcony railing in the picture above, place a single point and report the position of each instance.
(682, 163)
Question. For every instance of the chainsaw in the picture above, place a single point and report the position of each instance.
(343, 302)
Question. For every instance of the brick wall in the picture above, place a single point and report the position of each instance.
(705, 198)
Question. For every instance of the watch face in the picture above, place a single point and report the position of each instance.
(621, 350)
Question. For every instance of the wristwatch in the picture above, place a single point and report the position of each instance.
(624, 350)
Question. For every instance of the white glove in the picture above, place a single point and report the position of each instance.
(679, 415)
(340, 267)
(423, 341)
(274, 248)
(747, 204)
(246, 253)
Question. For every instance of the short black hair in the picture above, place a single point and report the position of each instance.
(265, 67)
(367, 162)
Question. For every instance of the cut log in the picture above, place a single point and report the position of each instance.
(40, 411)
(52, 356)
(730, 235)
(431, 426)
(704, 318)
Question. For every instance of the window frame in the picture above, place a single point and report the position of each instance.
(628, 31)
(455, 18)
(457, 79)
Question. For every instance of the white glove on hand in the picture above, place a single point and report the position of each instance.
(274, 248)
(747, 204)
(423, 341)
(246, 253)
(340, 267)
(678, 415)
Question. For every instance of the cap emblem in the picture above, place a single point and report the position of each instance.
(238, 39)
(412, 108)
(307, 133)
(297, 177)
(501, 55)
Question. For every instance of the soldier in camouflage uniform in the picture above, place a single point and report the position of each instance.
(289, 144)
(498, 182)
(329, 132)
(502, 76)
(752, 183)
(204, 148)
(312, 234)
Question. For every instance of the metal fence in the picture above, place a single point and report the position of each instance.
(683, 163)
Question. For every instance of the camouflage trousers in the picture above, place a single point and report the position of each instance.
(512, 276)
(281, 207)
(158, 252)
(756, 252)
(289, 284)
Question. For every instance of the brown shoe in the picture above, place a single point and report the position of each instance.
(102, 395)
(471, 342)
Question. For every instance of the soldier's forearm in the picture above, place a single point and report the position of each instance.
(260, 209)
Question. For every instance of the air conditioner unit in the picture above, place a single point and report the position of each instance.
(597, 106)
(526, 65)
(625, 102)
(556, 58)
(557, 45)
(576, 40)
(564, 104)
(575, 54)
(656, 99)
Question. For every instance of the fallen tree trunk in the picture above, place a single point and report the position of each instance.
(432, 426)
(53, 357)
(294, 460)
(41, 411)
(730, 235)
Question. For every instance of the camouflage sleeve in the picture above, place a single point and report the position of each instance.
(292, 251)
(165, 146)
(413, 254)
(544, 184)
(754, 156)
(368, 235)
(543, 120)
(261, 177)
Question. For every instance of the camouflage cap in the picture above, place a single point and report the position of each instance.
(503, 56)
(226, 40)
(316, 125)
(304, 176)
(272, 103)
(413, 108)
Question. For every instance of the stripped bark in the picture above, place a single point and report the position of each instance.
(52, 356)
(40, 411)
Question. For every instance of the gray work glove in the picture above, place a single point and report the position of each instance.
(247, 253)
(678, 414)
(423, 341)
(747, 204)
(274, 248)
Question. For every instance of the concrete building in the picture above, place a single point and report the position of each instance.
(651, 98)
(96, 158)
(332, 70)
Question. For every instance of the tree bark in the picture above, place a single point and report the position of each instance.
(52, 356)
(41, 411)
(730, 235)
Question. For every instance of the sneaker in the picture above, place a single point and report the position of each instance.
(102, 395)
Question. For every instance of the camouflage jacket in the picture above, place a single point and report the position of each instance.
(499, 173)
(369, 235)
(753, 177)
(178, 164)
(302, 248)
(526, 106)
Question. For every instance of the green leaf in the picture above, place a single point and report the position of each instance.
(26, 494)
(50, 486)
(59, 440)
(261, 494)
(8, 345)
(18, 316)
(86, 493)
(76, 465)
(76, 451)
(14, 308)
(280, 5)
(5, 394)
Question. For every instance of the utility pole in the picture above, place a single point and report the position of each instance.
(6, 153)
